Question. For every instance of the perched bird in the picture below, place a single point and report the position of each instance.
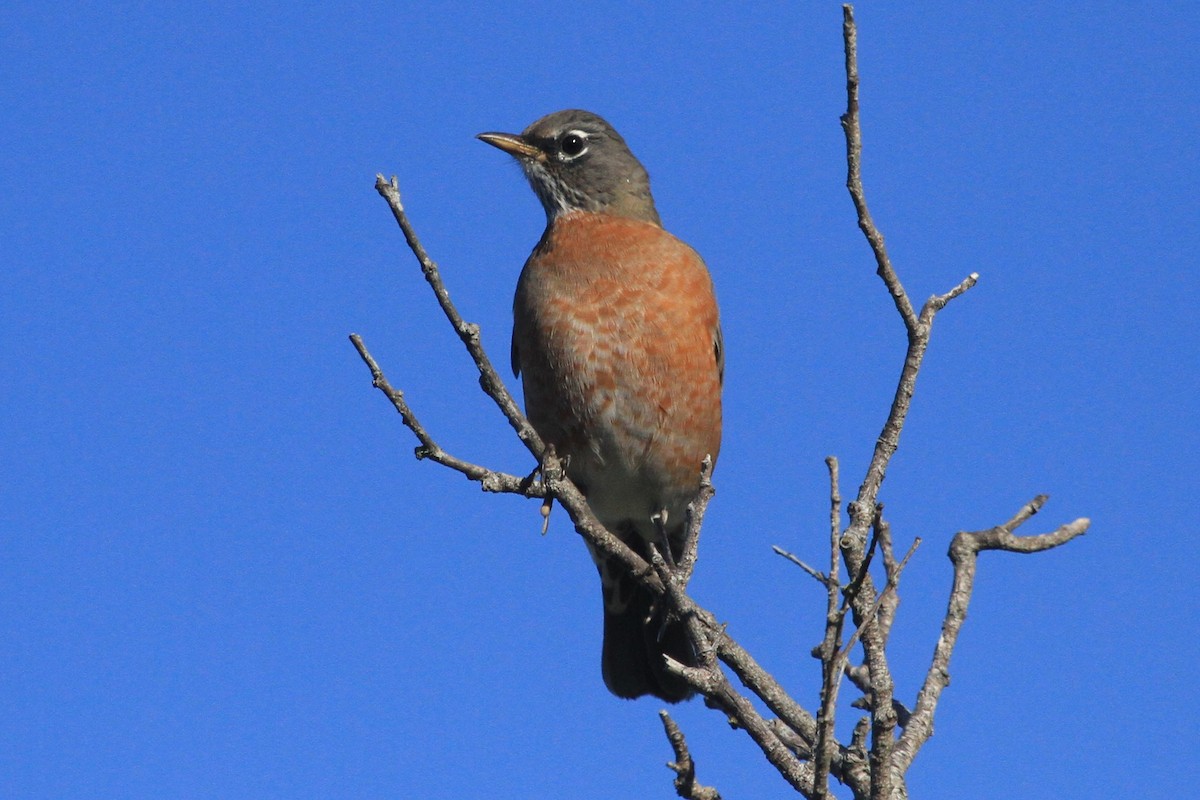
(617, 341)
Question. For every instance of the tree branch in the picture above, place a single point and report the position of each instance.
(850, 125)
(815, 574)
(709, 680)
(862, 510)
(468, 332)
(831, 664)
(491, 480)
(889, 600)
(683, 766)
(695, 518)
(964, 552)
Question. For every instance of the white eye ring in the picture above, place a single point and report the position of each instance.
(573, 144)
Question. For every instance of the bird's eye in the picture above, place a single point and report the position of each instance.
(572, 145)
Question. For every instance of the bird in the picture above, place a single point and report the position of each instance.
(617, 343)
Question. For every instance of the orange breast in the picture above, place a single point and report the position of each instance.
(617, 339)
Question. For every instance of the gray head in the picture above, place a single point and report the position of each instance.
(575, 161)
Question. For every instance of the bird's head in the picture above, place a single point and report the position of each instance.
(575, 161)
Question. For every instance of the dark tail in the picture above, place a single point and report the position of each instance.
(635, 641)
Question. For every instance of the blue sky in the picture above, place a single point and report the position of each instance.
(222, 574)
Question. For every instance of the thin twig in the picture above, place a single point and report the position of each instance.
(683, 766)
(864, 511)
(854, 183)
(831, 668)
(939, 301)
(890, 600)
(964, 552)
(873, 615)
(710, 680)
(918, 327)
(491, 480)
(858, 562)
(695, 518)
(816, 575)
(835, 514)
(468, 332)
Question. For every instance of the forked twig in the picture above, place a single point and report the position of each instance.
(683, 766)
(964, 552)
(491, 480)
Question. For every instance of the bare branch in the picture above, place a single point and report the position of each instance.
(831, 665)
(491, 480)
(889, 601)
(872, 617)
(683, 766)
(835, 514)
(865, 511)
(939, 301)
(964, 551)
(759, 681)
(489, 379)
(1002, 537)
(710, 680)
(918, 327)
(854, 183)
(816, 575)
(794, 771)
(880, 697)
(695, 520)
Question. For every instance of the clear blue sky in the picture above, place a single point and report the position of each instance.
(222, 574)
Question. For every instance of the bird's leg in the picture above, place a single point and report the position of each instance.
(551, 467)
(664, 541)
(664, 547)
